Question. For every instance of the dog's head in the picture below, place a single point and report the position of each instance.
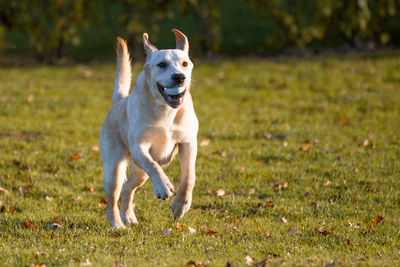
(168, 72)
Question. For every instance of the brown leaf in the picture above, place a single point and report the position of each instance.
(305, 148)
(87, 188)
(179, 227)
(323, 232)
(103, 202)
(2, 208)
(57, 220)
(210, 232)
(75, 156)
(12, 210)
(30, 186)
(282, 86)
(192, 263)
(268, 203)
(29, 225)
(377, 219)
(205, 142)
(3, 190)
(348, 242)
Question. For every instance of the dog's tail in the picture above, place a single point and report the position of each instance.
(123, 77)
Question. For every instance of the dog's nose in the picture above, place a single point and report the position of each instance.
(178, 77)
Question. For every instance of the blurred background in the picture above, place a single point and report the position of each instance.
(57, 31)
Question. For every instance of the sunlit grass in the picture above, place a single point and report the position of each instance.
(306, 152)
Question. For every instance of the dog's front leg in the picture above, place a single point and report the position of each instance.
(162, 187)
(183, 198)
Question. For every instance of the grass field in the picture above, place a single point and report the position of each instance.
(298, 165)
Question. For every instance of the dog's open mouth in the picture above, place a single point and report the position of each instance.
(174, 95)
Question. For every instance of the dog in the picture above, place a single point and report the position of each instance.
(146, 128)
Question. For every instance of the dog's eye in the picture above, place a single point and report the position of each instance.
(162, 65)
(184, 64)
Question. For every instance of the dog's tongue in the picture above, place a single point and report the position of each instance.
(175, 90)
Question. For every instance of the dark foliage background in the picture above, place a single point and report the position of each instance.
(83, 30)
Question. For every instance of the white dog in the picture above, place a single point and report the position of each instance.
(148, 127)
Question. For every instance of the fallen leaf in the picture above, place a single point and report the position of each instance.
(56, 220)
(192, 230)
(30, 186)
(281, 86)
(179, 227)
(87, 188)
(377, 219)
(3, 190)
(96, 148)
(314, 204)
(103, 202)
(12, 210)
(195, 264)
(166, 231)
(47, 198)
(220, 192)
(205, 142)
(284, 220)
(348, 242)
(268, 203)
(251, 191)
(323, 232)
(74, 157)
(210, 232)
(305, 148)
(29, 225)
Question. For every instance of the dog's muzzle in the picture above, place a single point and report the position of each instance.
(174, 95)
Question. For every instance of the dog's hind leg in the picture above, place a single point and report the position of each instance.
(114, 167)
(136, 179)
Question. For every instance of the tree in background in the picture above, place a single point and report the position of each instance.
(50, 25)
(299, 23)
(208, 15)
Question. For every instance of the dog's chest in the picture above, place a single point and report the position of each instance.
(163, 145)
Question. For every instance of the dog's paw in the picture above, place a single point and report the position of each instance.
(129, 218)
(180, 207)
(163, 189)
(119, 226)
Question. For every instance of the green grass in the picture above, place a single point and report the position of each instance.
(313, 141)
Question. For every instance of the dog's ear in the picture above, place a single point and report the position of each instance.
(148, 47)
(181, 40)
